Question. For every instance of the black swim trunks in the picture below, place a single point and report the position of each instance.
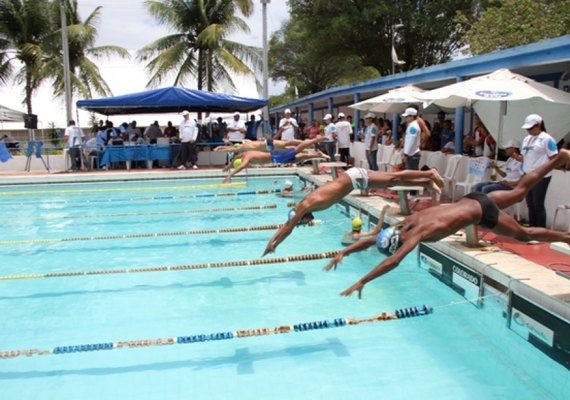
(490, 211)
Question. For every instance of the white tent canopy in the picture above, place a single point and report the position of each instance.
(9, 115)
(503, 99)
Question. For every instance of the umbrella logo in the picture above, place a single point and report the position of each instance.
(394, 100)
(492, 94)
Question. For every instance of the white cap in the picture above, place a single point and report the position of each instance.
(287, 111)
(236, 114)
(341, 115)
(327, 116)
(185, 112)
(532, 120)
(370, 115)
(410, 111)
(513, 143)
(288, 184)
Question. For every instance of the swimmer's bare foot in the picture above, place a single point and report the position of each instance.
(432, 186)
(436, 177)
(323, 155)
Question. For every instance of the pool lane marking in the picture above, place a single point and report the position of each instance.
(402, 313)
(202, 210)
(122, 189)
(123, 199)
(184, 267)
(145, 235)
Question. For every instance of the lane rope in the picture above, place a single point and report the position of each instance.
(238, 334)
(145, 235)
(123, 189)
(166, 268)
(195, 211)
(125, 199)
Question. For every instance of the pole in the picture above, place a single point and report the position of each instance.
(65, 50)
(265, 69)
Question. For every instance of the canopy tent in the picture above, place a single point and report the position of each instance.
(502, 99)
(170, 100)
(9, 115)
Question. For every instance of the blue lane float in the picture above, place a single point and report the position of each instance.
(295, 328)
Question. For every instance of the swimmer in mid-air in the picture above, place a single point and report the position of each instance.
(354, 179)
(438, 222)
(286, 156)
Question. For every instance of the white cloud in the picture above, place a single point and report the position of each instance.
(126, 23)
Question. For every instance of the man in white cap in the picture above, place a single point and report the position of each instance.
(511, 171)
(411, 151)
(236, 130)
(330, 136)
(343, 133)
(188, 133)
(287, 127)
(371, 141)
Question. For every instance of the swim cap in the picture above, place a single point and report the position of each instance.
(290, 215)
(236, 145)
(356, 224)
(288, 184)
(237, 162)
(388, 240)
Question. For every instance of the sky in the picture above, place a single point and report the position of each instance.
(126, 23)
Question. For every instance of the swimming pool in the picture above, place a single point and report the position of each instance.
(458, 352)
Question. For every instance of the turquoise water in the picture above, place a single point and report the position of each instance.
(458, 352)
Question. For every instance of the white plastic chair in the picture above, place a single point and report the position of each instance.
(450, 169)
(476, 170)
(562, 207)
(386, 158)
(395, 159)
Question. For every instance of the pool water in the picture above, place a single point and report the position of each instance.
(458, 352)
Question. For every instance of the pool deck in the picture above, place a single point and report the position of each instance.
(505, 264)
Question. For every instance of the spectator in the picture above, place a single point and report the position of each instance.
(411, 152)
(370, 142)
(170, 131)
(153, 133)
(188, 135)
(330, 136)
(251, 127)
(446, 133)
(513, 168)
(287, 127)
(343, 134)
(236, 129)
(75, 137)
(133, 130)
(473, 142)
(537, 149)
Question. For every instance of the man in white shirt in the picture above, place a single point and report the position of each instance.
(188, 134)
(287, 127)
(74, 135)
(343, 133)
(236, 130)
(411, 152)
(330, 136)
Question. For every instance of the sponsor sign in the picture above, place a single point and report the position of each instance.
(525, 326)
(492, 94)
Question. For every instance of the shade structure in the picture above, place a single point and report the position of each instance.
(502, 99)
(170, 100)
(396, 101)
(9, 115)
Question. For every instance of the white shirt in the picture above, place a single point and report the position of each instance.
(513, 168)
(188, 130)
(289, 132)
(537, 150)
(330, 130)
(236, 136)
(74, 135)
(343, 131)
(369, 134)
(412, 139)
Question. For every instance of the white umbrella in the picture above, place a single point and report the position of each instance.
(396, 101)
(503, 99)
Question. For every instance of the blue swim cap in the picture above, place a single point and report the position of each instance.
(388, 240)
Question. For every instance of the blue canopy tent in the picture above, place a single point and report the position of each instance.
(170, 100)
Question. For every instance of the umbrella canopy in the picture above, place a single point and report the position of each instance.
(169, 100)
(396, 101)
(9, 115)
(503, 99)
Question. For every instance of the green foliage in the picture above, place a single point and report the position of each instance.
(517, 22)
(199, 48)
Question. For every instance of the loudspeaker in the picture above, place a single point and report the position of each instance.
(31, 121)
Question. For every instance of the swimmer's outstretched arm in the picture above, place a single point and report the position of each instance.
(243, 165)
(355, 247)
(385, 266)
(378, 227)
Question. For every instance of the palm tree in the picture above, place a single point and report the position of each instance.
(200, 48)
(24, 25)
(84, 74)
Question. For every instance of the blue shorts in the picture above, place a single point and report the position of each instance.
(283, 157)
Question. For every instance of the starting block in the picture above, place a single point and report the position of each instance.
(403, 197)
(334, 166)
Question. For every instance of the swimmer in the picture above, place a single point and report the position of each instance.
(356, 234)
(438, 222)
(287, 190)
(355, 179)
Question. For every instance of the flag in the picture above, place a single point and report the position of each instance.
(395, 57)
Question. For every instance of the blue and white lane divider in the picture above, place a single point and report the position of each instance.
(297, 328)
